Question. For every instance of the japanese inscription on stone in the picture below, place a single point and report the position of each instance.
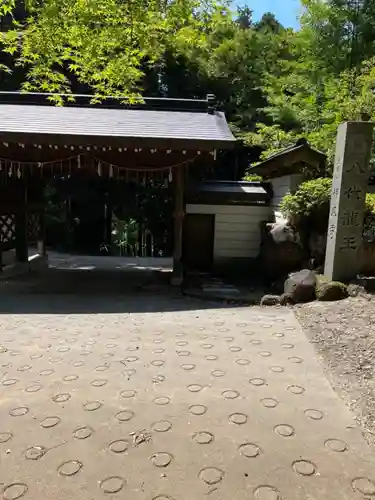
(350, 176)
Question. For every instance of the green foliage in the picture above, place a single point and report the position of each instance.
(249, 177)
(309, 205)
(108, 44)
(369, 222)
(6, 7)
(311, 198)
(327, 76)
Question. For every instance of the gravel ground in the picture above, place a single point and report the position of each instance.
(343, 334)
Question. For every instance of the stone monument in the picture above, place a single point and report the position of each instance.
(349, 186)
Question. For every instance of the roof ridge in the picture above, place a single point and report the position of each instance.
(111, 102)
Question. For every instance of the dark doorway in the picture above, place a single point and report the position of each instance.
(198, 242)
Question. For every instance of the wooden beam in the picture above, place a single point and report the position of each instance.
(179, 213)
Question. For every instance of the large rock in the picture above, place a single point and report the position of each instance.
(270, 300)
(301, 286)
(281, 251)
(331, 290)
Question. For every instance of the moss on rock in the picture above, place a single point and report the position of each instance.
(330, 290)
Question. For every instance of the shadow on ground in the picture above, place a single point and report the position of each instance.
(76, 291)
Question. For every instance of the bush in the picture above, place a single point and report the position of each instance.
(309, 206)
(311, 198)
(252, 178)
(369, 222)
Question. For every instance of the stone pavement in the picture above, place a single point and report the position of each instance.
(185, 404)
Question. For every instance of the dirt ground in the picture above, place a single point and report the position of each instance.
(343, 334)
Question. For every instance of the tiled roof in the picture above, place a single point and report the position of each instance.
(235, 187)
(103, 125)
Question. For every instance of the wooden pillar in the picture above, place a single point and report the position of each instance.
(178, 271)
(108, 225)
(22, 251)
(42, 233)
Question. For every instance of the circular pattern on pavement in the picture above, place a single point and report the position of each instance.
(119, 446)
(295, 359)
(276, 369)
(157, 362)
(98, 382)
(313, 414)
(92, 405)
(364, 486)
(19, 412)
(195, 388)
(49, 422)
(235, 348)
(70, 468)
(161, 459)
(265, 354)
(211, 475)
(336, 445)
(9, 381)
(203, 437)
(296, 389)
(230, 394)
(35, 452)
(284, 430)
(24, 368)
(269, 402)
(161, 426)
(187, 367)
(162, 400)
(128, 393)
(5, 436)
(249, 450)
(197, 409)
(266, 493)
(83, 432)
(112, 484)
(183, 353)
(33, 388)
(238, 418)
(242, 361)
(61, 398)
(124, 415)
(257, 382)
(304, 467)
(14, 491)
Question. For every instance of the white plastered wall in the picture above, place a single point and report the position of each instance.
(237, 228)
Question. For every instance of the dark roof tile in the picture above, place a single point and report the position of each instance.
(90, 122)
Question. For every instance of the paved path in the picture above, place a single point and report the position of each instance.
(184, 404)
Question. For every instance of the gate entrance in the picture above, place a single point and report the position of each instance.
(107, 179)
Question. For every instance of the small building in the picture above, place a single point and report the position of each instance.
(222, 226)
(287, 169)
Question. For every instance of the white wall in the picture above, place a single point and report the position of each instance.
(237, 228)
(282, 186)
